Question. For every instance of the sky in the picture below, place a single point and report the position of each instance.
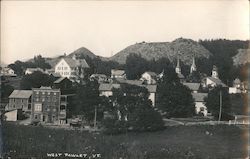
(52, 28)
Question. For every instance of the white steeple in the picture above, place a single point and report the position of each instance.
(215, 72)
(178, 68)
(193, 67)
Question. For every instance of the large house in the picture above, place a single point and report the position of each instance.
(46, 106)
(74, 69)
(20, 99)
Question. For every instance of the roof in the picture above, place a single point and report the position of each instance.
(33, 69)
(180, 75)
(108, 86)
(59, 80)
(98, 75)
(117, 72)
(55, 74)
(199, 97)
(151, 88)
(217, 81)
(237, 81)
(21, 94)
(153, 74)
(75, 63)
(192, 86)
(132, 82)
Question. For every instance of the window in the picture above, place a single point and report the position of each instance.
(43, 99)
(48, 93)
(38, 107)
(14, 106)
(37, 92)
(22, 100)
(54, 93)
(43, 93)
(36, 116)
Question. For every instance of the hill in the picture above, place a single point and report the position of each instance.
(83, 52)
(184, 48)
(241, 57)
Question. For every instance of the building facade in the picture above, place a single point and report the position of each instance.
(46, 105)
(20, 99)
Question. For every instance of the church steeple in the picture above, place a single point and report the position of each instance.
(215, 72)
(178, 68)
(193, 67)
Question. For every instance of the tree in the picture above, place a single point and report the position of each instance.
(87, 99)
(135, 66)
(36, 80)
(40, 62)
(132, 109)
(213, 101)
(174, 99)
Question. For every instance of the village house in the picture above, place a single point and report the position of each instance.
(73, 69)
(200, 107)
(46, 106)
(20, 99)
(29, 71)
(194, 87)
(149, 77)
(106, 88)
(6, 71)
(100, 78)
(214, 80)
(238, 87)
(118, 74)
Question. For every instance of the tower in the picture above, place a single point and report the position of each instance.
(178, 68)
(215, 72)
(193, 67)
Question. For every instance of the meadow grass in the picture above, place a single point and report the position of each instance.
(204, 141)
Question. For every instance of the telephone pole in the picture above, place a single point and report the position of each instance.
(220, 106)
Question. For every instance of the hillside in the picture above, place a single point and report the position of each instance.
(83, 52)
(241, 57)
(184, 48)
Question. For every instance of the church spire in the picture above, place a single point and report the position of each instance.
(178, 68)
(193, 66)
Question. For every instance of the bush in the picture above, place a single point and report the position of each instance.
(146, 120)
(114, 126)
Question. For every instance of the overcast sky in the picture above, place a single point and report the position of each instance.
(51, 28)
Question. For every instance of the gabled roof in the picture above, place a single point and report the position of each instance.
(75, 63)
(180, 75)
(59, 80)
(34, 69)
(192, 86)
(98, 75)
(108, 86)
(132, 82)
(55, 74)
(217, 81)
(21, 94)
(199, 97)
(117, 72)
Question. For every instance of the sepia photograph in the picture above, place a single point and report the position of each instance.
(126, 79)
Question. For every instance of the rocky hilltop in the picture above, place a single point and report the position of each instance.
(184, 48)
(242, 57)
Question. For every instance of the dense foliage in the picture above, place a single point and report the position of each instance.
(174, 99)
(38, 61)
(36, 80)
(132, 110)
(213, 102)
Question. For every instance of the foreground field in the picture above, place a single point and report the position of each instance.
(220, 141)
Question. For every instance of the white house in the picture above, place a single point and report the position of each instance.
(118, 74)
(105, 89)
(149, 77)
(6, 71)
(200, 106)
(71, 68)
(32, 70)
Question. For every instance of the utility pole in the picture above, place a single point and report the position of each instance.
(95, 118)
(220, 105)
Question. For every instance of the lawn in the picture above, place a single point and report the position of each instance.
(220, 141)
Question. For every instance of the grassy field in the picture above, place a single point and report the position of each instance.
(174, 142)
